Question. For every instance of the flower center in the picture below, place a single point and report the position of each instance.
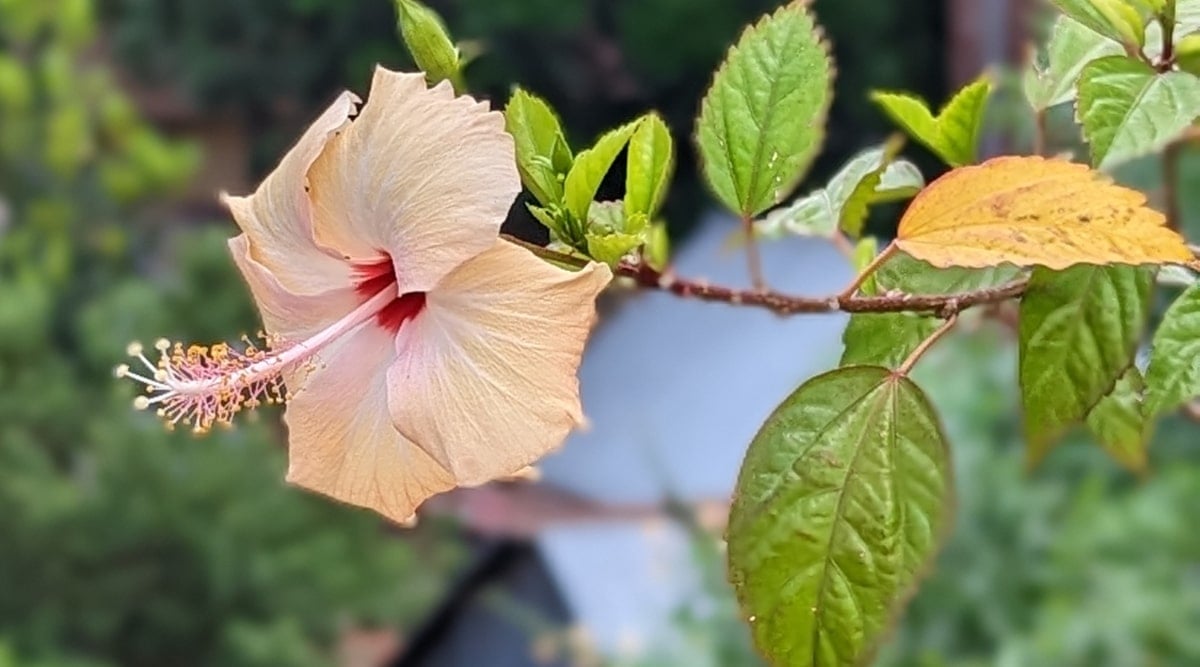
(205, 385)
(381, 275)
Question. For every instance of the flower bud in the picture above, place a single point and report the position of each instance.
(429, 42)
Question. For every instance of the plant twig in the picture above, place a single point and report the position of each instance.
(1137, 53)
(941, 305)
(787, 304)
(843, 244)
(1170, 168)
(912, 359)
(546, 253)
(1171, 156)
(1167, 59)
(1191, 411)
(753, 260)
(862, 276)
(1039, 132)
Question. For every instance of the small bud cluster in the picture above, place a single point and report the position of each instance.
(205, 385)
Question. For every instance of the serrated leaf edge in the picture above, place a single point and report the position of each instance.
(948, 511)
(822, 115)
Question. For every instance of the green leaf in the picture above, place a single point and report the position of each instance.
(1156, 7)
(1176, 276)
(865, 252)
(611, 234)
(1187, 17)
(1119, 423)
(869, 177)
(651, 161)
(763, 118)
(1173, 377)
(611, 248)
(543, 155)
(658, 246)
(1187, 54)
(549, 220)
(592, 165)
(1151, 7)
(1158, 20)
(1079, 330)
(1114, 19)
(893, 181)
(907, 274)
(1070, 48)
(429, 42)
(954, 134)
(1128, 110)
(841, 503)
(607, 217)
(897, 182)
(886, 339)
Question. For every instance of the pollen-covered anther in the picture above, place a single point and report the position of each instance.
(201, 386)
(204, 385)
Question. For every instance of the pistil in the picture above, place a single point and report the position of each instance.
(202, 386)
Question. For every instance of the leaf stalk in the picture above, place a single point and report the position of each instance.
(906, 367)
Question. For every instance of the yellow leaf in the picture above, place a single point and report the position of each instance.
(1035, 211)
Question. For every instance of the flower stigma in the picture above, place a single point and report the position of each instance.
(202, 386)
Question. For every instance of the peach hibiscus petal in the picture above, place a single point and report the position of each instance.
(278, 219)
(291, 316)
(485, 378)
(421, 175)
(341, 439)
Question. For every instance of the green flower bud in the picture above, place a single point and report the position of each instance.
(429, 42)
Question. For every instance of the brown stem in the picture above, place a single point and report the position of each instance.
(1170, 167)
(912, 359)
(1191, 411)
(843, 245)
(1167, 19)
(546, 253)
(1137, 53)
(1039, 132)
(943, 305)
(753, 260)
(1170, 157)
(870, 269)
(646, 277)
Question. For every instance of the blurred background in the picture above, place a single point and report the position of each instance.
(124, 545)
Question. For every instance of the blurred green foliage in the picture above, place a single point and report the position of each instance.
(1078, 564)
(1075, 565)
(598, 62)
(121, 544)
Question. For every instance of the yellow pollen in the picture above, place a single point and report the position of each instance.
(202, 385)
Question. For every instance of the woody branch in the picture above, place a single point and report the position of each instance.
(942, 305)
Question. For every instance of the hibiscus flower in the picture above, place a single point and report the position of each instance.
(416, 350)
